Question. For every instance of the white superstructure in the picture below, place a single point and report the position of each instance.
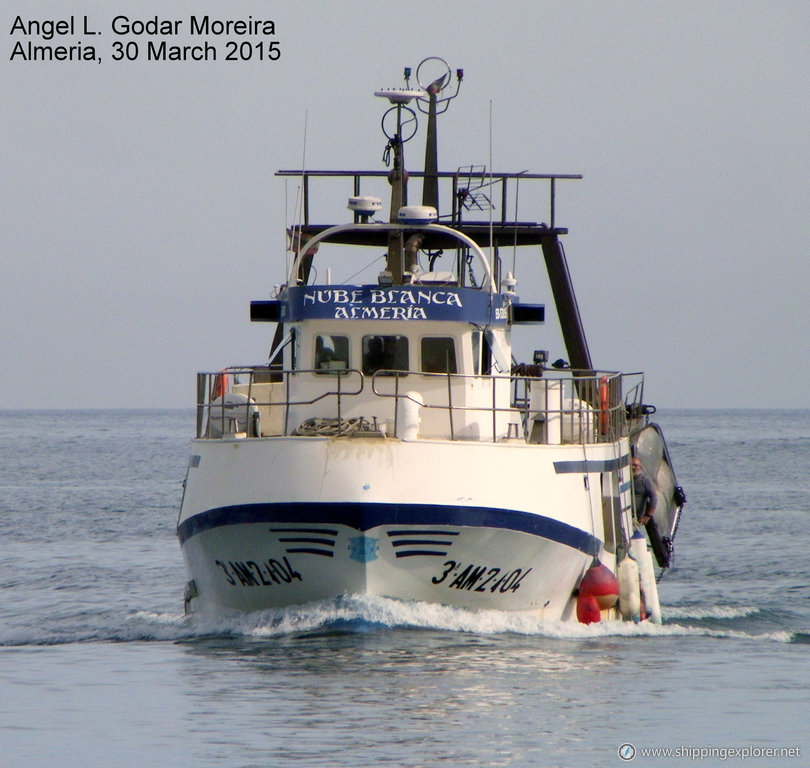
(391, 446)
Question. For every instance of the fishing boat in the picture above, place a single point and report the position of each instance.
(391, 445)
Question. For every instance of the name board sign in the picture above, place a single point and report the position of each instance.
(407, 302)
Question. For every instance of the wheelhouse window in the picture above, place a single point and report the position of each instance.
(385, 353)
(331, 353)
(438, 355)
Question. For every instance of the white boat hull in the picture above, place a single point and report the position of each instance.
(512, 527)
(392, 445)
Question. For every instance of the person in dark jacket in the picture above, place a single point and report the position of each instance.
(644, 495)
(645, 500)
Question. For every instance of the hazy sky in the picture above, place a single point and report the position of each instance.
(140, 213)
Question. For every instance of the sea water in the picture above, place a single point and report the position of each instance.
(99, 667)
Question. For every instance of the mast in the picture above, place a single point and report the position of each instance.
(396, 268)
(430, 184)
(398, 179)
(567, 309)
(398, 176)
(432, 91)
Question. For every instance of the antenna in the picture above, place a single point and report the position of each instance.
(398, 177)
(399, 98)
(491, 234)
(432, 88)
(295, 239)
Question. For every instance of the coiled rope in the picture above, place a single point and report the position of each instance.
(322, 427)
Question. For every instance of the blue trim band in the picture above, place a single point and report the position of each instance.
(364, 517)
(306, 551)
(420, 553)
(584, 467)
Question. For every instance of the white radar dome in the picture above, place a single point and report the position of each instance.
(365, 205)
(398, 95)
(417, 214)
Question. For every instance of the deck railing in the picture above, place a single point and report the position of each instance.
(553, 408)
(463, 182)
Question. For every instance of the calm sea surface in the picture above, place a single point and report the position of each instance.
(98, 666)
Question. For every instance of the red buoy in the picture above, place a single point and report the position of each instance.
(588, 609)
(600, 583)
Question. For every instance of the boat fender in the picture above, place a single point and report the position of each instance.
(603, 404)
(410, 405)
(598, 591)
(220, 385)
(600, 582)
(588, 609)
(638, 549)
(629, 590)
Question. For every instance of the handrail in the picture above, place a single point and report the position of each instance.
(492, 177)
(325, 235)
(206, 390)
(581, 408)
(603, 387)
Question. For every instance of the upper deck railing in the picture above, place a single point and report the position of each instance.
(460, 189)
(246, 403)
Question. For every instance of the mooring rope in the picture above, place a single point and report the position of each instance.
(322, 427)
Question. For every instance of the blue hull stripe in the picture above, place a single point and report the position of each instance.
(584, 467)
(363, 517)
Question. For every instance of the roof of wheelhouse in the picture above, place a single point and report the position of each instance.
(500, 232)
